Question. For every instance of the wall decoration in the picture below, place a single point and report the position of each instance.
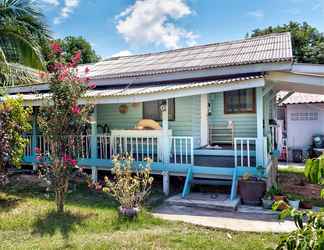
(123, 109)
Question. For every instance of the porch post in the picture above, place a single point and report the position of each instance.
(94, 151)
(165, 147)
(203, 120)
(165, 133)
(260, 135)
(34, 139)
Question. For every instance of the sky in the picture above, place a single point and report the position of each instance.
(125, 27)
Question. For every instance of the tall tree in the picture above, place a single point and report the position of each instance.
(308, 42)
(22, 26)
(72, 45)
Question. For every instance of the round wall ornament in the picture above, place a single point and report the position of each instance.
(123, 109)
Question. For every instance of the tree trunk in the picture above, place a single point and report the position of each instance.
(61, 188)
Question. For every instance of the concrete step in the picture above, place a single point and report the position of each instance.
(211, 182)
(220, 202)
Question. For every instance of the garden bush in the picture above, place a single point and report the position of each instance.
(14, 122)
(130, 185)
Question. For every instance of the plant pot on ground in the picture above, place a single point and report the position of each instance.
(128, 212)
(306, 205)
(294, 203)
(277, 195)
(251, 190)
(267, 201)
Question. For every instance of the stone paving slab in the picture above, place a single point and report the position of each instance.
(235, 221)
(214, 201)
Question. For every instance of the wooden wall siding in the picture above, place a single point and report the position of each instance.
(187, 117)
(245, 124)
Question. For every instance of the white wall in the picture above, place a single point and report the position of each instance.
(300, 132)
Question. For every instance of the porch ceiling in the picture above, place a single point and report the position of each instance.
(312, 83)
(140, 93)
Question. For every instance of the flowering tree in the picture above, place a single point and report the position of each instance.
(62, 121)
(14, 121)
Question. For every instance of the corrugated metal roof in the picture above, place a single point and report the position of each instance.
(301, 98)
(137, 90)
(265, 49)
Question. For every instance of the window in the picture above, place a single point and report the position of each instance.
(151, 110)
(239, 101)
(304, 116)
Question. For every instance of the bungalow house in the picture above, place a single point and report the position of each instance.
(301, 117)
(201, 112)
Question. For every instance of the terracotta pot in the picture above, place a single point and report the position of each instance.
(306, 205)
(282, 206)
(251, 191)
(128, 212)
(280, 197)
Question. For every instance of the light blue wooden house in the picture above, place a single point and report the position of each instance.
(198, 112)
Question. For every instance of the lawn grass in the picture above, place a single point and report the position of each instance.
(28, 221)
(291, 169)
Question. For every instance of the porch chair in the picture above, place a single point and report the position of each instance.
(221, 134)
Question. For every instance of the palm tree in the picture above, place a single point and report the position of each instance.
(22, 27)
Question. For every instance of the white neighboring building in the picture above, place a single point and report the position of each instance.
(303, 116)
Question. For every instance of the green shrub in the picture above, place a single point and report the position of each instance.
(314, 170)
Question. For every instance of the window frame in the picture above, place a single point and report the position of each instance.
(227, 112)
(173, 116)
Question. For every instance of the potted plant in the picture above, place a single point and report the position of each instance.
(279, 198)
(267, 200)
(293, 201)
(277, 194)
(130, 185)
(251, 189)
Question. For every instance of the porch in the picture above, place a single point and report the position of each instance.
(196, 138)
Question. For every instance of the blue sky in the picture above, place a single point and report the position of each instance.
(138, 26)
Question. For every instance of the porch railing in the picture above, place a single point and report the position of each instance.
(241, 153)
(29, 146)
(180, 148)
(138, 147)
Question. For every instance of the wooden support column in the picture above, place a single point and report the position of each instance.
(203, 120)
(260, 134)
(165, 132)
(166, 183)
(94, 151)
(34, 139)
(165, 146)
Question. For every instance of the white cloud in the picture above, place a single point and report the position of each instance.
(256, 13)
(154, 22)
(51, 2)
(68, 8)
(122, 53)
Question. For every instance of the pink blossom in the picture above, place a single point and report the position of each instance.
(61, 77)
(75, 109)
(66, 158)
(76, 58)
(86, 70)
(73, 162)
(92, 85)
(56, 48)
(37, 150)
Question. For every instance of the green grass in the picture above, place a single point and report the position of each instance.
(292, 169)
(28, 221)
